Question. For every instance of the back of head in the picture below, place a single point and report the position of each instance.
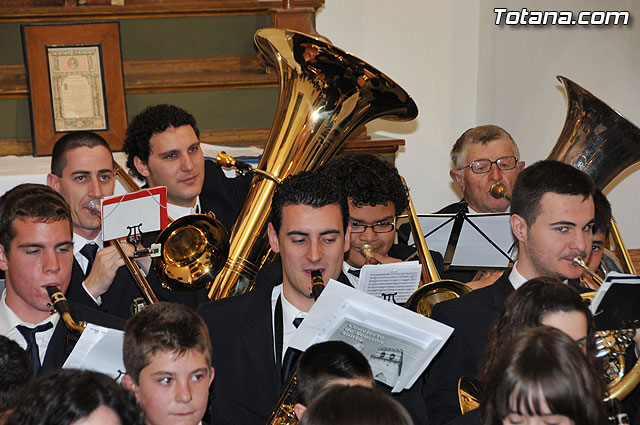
(153, 120)
(542, 367)
(482, 134)
(547, 177)
(368, 180)
(310, 188)
(71, 141)
(526, 307)
(160, 328)
(326, 361)
(602, 213)
(35, 201)
(67, 395)
(15, 373)
(355, 405)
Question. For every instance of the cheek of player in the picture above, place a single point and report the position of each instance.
(173, 388)
(41, 255)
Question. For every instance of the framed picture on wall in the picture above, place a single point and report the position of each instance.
(74, 72)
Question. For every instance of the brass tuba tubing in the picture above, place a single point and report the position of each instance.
(325, 95)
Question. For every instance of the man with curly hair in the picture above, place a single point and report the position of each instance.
(376, 197)
(163, 148)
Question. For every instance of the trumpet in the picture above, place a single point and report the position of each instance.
(365, 251)
(578, 261)
(499, 190)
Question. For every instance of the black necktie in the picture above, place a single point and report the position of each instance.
(290, 356)
(89, 251)
(29, 335)
(355, 272)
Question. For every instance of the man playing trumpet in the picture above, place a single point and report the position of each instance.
(376, 197)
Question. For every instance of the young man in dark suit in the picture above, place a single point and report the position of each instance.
(36, 251)
(250, 333)
(82, 172)
(552, 217)
(163, 148)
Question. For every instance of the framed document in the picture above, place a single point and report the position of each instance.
(75, 82)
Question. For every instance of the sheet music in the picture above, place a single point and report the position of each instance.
(98, 349)
(392, 282)
(473, 249)
(398, 343)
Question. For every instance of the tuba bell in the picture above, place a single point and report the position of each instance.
(601, 142)
(325, 94)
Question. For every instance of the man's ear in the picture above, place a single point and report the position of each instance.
(3, 259)
(130, 384)
(456, 176)
(273, 238)
(520, 166)
(141, 166)
(299, 410)
(213, 373)
(519, 227)
(53, 182)
(347, 238)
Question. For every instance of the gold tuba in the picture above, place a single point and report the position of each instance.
(325, 94)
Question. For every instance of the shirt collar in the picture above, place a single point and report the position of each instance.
(176, 211)
(353, 279)
(516, 279)
(9, 320)
(79, 242)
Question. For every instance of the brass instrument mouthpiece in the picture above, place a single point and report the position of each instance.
(578, 261)
(317, 284)
(366, 250)
(499, 190)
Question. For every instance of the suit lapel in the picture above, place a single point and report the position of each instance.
(259, 343)
(55, 357)
(501, 290)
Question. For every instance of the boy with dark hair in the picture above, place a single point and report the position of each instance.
(251, 332)
(376, 196)
(329, 363)
(167, 355)
(601, 229)
(163, 148)
(36, 251)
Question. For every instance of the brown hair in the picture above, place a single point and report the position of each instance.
(163, 327)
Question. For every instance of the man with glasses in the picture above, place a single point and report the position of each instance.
(376, 197)
(481, 157)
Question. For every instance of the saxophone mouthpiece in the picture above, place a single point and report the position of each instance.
(317, 284)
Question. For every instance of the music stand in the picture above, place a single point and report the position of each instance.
(470, 241)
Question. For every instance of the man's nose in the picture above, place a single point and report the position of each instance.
(186, 163)
(95, 191)
(314, 254)
(495, 173)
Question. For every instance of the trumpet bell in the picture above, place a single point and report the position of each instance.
(194, 250)
(426, 297)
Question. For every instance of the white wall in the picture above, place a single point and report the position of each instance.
(462, 71)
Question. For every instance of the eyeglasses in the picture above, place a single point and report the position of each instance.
(384, 227)
(482, 166)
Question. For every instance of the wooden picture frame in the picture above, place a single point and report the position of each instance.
(75, 80)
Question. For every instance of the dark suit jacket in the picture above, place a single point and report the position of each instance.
(60, 345)
(124, 295)
(223, 196)
(246, 387)
(471, 316)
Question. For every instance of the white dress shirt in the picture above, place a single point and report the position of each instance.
(289, 314)
(176, 211)
(9, 322)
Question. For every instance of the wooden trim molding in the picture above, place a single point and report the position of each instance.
(360, 142)
(35, 11)
(168, 75)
